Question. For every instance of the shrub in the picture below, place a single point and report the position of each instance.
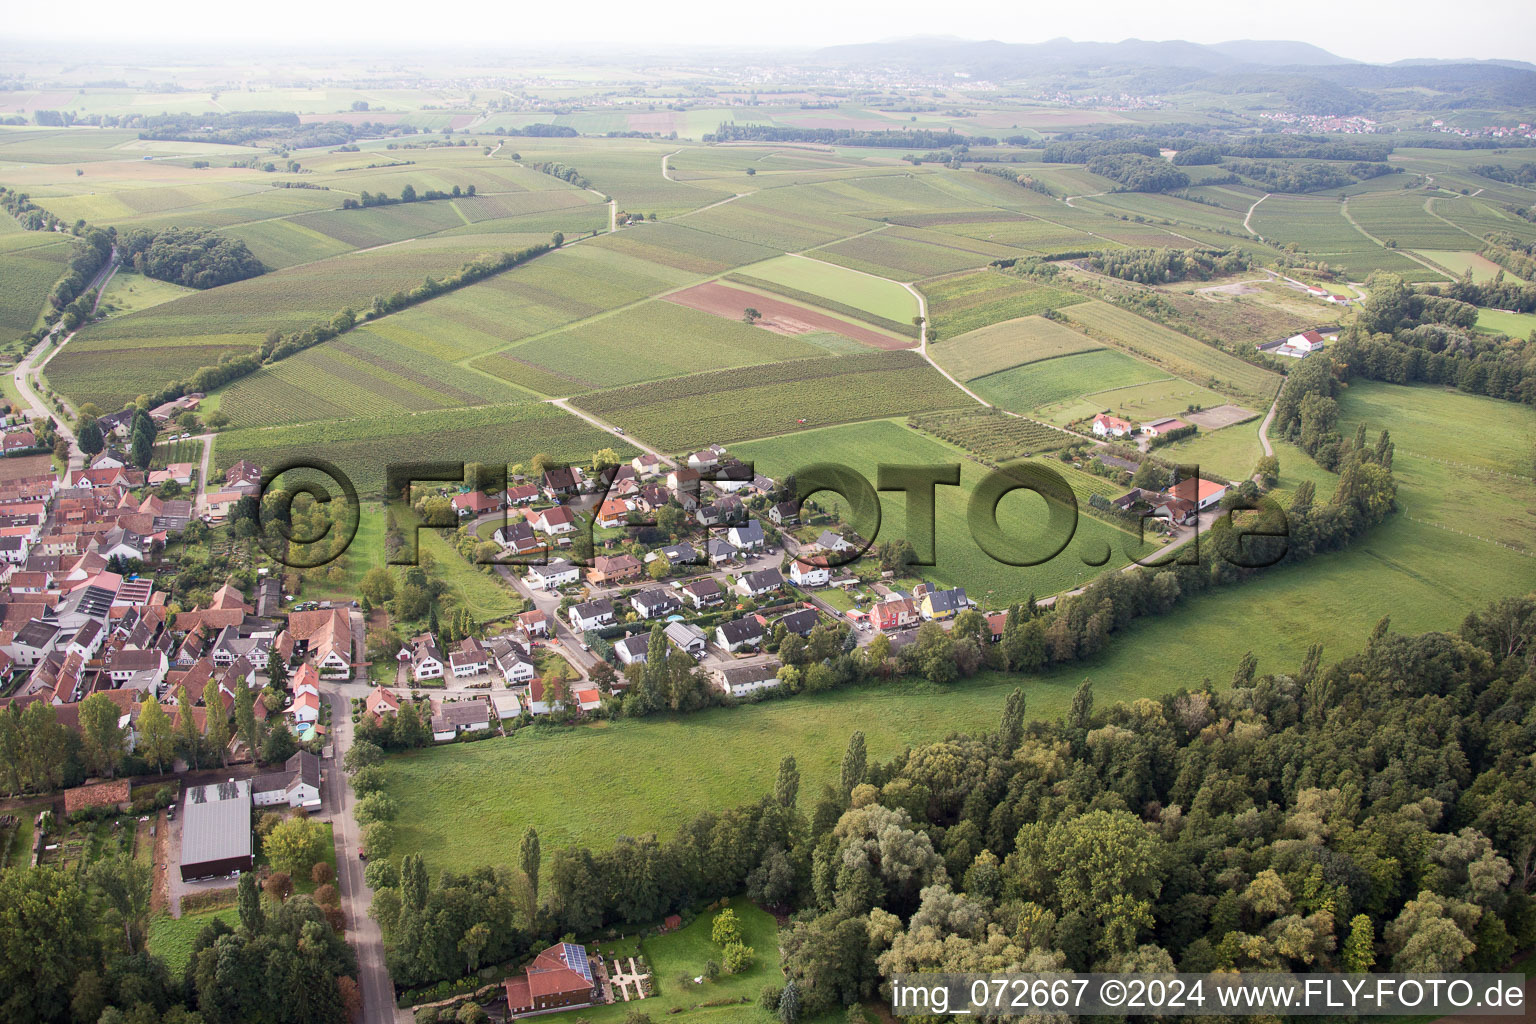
(322, 872)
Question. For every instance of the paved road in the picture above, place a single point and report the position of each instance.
(363, 931)
(39, 357)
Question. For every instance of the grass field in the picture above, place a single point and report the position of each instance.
(1066, 379)
(881, 298)
(1516, 325)
(1232, 451)
(1008, 344)
(171, 938)
(1482, 268)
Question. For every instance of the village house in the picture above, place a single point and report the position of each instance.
(561, 482)
(1204, 493)
(533, 623)
(739, 633)
(683, 477)
(518, 537)
(323, 635)
(522, 494)
(470, 659)
(591, 615)
(937, 605)
(703, 593)
(719, 551)
(1105, 425)
(475, 503)
(553, 522)
(801, 621)
(650, 604)
(756, 584)
(687, 637)
(449, 719)
(540, 700)
(705, 459)
(733, 476)
(802, 574)
(612, 513)
(425, 657)
(748, 679)
(382, 703)
(632, 650)
(556, 574)
(645, 464)
(297, 785)
(747, 537)
(558, 978)
(610, 569)
(512, 660)
(785, 513)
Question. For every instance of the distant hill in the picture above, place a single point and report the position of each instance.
(996, 58)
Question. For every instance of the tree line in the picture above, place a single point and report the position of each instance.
(917, 138)
(408, 194)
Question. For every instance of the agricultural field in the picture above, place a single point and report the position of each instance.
(991, 436)
(1460, 262)
(363, 446)
(1065, 379)
(1178, 353)
(908, 254)
(1318, 227)
(1402, 218)
(875, 296)
(1008, 344)
(361, 374)
(967, 302)
(780, 315)
(646, 342)
(778, 398)
(29, 270)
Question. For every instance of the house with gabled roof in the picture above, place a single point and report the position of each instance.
(324, 635)
(632, 650)
(558, 978)
(650, 604)
(553, 522)
(739, 633)
(297, 785)
(703, 593)
(1106, 425)
(756, 584)
(591, 614)
(745, 680)
(610, 569)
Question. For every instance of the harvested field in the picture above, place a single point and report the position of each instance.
(1221, 416)
(778, 315)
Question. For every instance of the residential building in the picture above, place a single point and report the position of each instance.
(297, 785)
(748, 536)
(785, 513)
(756, 584)
(739, 633)
(425, 657)
(748, 679)
(1106, 425)
(454, 717)
(803, 574)
(610, 569)
(650, 604)
(1204, 493)
(943, 604)
(469, 660)
(553, 522)
(687, 637)
(556, 574)
(591, 615)
(558, 978)
(894, 613)
(703, 593)
(800, 621)
(632, 650)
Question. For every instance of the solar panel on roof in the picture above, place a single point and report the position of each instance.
(576, 959)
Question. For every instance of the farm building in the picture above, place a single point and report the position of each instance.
(559, 978)
(1112, 426)
(216, 830)
(1204, 493)
(1157, 428)
(98, 794)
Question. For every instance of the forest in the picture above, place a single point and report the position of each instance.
(192, 257)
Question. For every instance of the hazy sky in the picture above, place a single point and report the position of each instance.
(1381, 30)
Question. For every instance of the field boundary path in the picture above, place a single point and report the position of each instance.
(1248, 217)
